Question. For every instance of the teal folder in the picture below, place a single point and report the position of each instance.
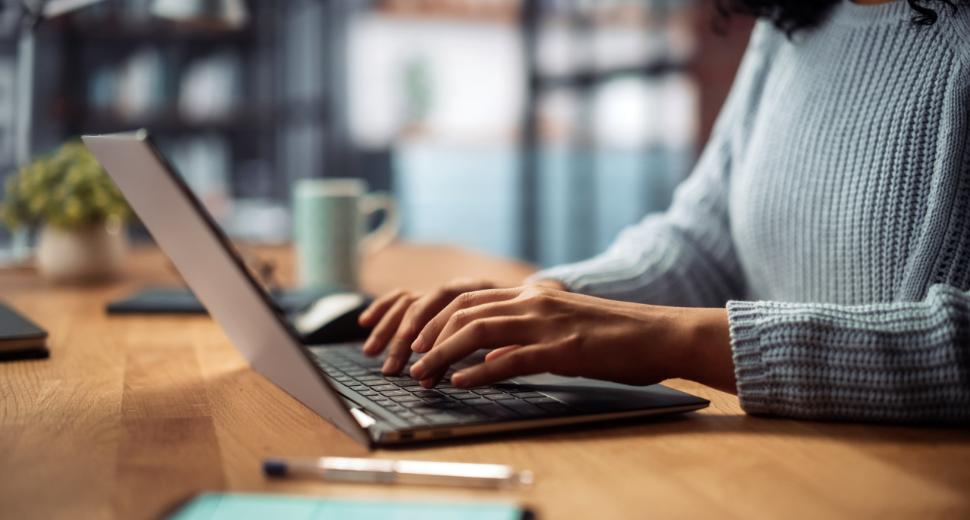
(225, 506)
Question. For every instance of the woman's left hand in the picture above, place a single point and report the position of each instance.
(533, 329)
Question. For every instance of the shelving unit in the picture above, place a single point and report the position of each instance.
(582, 81)
(260, 133)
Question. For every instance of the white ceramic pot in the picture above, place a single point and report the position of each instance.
(90, 254)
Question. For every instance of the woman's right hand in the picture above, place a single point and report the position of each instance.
(398, 317)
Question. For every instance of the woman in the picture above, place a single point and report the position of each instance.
(817, 261)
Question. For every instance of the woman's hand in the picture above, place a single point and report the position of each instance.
(398, 317)
(532, 330)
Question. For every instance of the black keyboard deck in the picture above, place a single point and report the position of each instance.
(352, 373)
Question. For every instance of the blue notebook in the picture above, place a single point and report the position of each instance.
(226, 506)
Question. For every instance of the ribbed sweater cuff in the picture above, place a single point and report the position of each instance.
(750, 370)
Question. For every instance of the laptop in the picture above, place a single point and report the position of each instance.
(337, 381)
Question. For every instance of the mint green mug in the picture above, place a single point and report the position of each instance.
(329, 229)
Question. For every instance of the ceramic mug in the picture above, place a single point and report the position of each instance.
(330, 218)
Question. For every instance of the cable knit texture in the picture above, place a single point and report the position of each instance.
(830, 213)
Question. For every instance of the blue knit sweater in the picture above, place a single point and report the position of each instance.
(830, 213)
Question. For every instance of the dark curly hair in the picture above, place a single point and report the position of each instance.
(792, 15)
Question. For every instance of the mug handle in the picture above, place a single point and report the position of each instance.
(386, 232)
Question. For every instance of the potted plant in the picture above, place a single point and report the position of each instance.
(81, 214)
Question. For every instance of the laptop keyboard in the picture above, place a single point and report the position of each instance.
(354, 374)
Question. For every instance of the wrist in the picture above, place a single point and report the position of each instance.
(550, 283)
(705, 355)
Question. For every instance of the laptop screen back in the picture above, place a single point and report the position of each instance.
(215, 273)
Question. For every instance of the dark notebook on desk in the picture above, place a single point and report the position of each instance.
(180, 300)
(20, 338)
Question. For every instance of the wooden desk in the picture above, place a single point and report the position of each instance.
(131, 414)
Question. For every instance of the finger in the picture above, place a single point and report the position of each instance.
(385, 329)
(431, 381)
(416, 316)
(459, 319)
(499, 352)
(429, 334)
(516, 362)
(423, 310)
(378, 308)
(483, 333)
(428, 306)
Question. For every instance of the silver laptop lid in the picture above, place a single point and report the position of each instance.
(206, 260)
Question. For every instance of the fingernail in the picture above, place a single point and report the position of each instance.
(417, 370)
(389, 365)
(417, 346)
(459, 379)
(427, 383)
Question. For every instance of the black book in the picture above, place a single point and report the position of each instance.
(20, 337)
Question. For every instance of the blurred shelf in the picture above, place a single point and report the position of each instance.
(586, 79)
(170, 121)
(115, 31)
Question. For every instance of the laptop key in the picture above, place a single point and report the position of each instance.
(449, 404)
(498, 397)
(476, 402)
(405, 399)
(527, 395)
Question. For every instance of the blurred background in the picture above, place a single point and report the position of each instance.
(534, 129)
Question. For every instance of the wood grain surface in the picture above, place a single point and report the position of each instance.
(132, 414)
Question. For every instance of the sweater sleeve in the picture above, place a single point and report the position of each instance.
(899, 361)
(684, 256)
(894, 362)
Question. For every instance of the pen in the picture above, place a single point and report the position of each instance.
(381, 471)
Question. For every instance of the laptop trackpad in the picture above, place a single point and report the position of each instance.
(601, 396)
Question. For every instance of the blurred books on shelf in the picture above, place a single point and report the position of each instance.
(7, 119)
(138, 89)
(209, 87)
(141, 84)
